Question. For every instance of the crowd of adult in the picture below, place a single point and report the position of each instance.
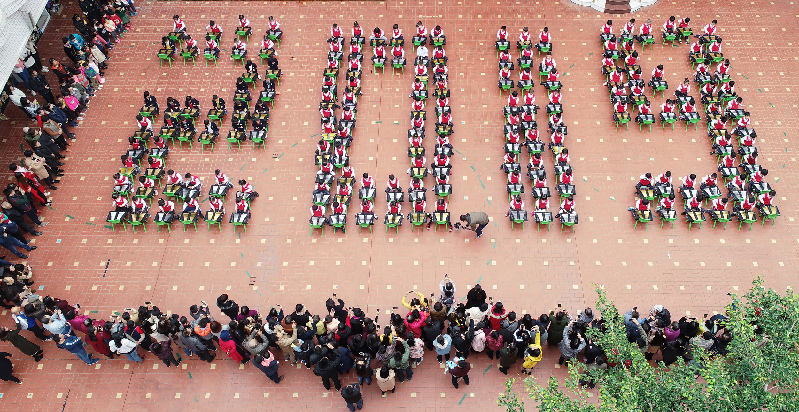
(53, 113)
(344, 341)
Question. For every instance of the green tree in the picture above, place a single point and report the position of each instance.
(760, 372)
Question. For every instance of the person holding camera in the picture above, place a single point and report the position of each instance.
(475, 221)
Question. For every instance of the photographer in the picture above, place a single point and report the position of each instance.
(473, 221)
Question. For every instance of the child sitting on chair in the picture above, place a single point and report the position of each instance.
(239, 48)
(247, 188)
(211, 46)
(190, 45)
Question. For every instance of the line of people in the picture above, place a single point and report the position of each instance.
(521, 128)
(425, 67)
(341, 340)
(332, 150)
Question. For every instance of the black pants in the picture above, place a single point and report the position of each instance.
(23, 226)
(490, 353)
(38, 331)
(326, 381)
(445, 357)
(205, 355)
(171, 360)
(479, 230)
(31, 213)
(456, 379)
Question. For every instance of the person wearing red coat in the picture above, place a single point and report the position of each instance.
(497, 314)
(228, 345)
(94, 337)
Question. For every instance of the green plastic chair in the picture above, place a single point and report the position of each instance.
(664, 219)
(646, 123)
(215, 117)
(721, 220)
(115, 222)
(206, 142)
(362, 226)
(275, 39)
(544, 222)
(668, 121)
(188, 56)
(237, 57)
(642, 220)
(245, 33)
(506, 87)
(231, 141)
(544, 50)
(502, 48)
(275, 77)
(257, 142)
(670, 38)
(622, 121)
(694, 122)
(165, 57)
(396, 66)
(176, 39)
(167, 224)
(187, 223)
(141, 223)
(320, 226)
(184, 139)
(516, 222)
(392, 225)
(381, 66)
(566, 224)
(648, 41)
(769, 216)
(210, 57)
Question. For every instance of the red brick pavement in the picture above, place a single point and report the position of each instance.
(278, 260)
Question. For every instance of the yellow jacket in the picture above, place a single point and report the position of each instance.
(531, 361)
(408, 305)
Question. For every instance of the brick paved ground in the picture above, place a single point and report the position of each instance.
(279, 261)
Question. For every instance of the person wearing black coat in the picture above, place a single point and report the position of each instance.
(344, 333)
(430, 331)
(337, 309)
(70, 50)
(475, 297)
(40, 85)
(7, 368)
(268, 366)
(328, 370)
(352, 395)
(228, 306)
(462, 341)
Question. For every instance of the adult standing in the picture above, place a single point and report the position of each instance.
(7, 368)
(228, 306)
(121, 345)
(74, 345)
(328, 371)
(385, 379)
(25, 346)
(268, 365)
(507, 357)
(40, 85)
(475, 221)
(352, 395)
(459, 369)
(163, 350)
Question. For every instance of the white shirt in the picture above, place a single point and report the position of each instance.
(421, 52)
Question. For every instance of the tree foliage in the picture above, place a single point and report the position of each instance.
(760, 372)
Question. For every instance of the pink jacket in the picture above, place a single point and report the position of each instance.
(494, 344)
(416, 327)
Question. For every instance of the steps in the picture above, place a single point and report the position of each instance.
(617, 6)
